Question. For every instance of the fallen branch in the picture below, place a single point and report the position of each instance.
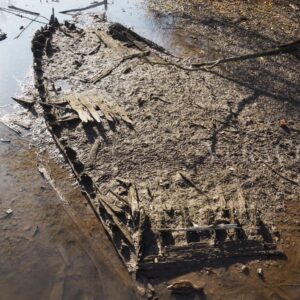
(283, 49)
(107, 72)
(276, 172)
(83, 8)
(21, 16)
(23, 10)
(287, 48)
(26, 27)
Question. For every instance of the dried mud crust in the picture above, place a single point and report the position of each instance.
(157, 147)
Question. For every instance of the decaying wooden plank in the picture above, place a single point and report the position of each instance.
(79, 108)
(115, 219)
(86, 106)
(93, 153)
(119, 198)
(87, 103)
(134, 202)
(102, 104)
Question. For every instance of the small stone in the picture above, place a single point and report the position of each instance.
(245, 269)
(9, 212)
(260, 272)
(27, 228)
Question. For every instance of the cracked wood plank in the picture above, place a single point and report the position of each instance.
(84, 115)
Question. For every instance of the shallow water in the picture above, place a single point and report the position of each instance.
(15, 53)
(49, 248)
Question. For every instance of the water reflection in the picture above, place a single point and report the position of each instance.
(15, 53)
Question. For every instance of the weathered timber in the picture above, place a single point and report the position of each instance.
(79, 108)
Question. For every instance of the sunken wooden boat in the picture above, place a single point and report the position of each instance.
(125, 117)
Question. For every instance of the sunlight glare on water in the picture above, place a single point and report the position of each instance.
(15, 53)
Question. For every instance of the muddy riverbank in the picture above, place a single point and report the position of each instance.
(185, 147)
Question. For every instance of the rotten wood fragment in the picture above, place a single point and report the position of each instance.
(94, 151)
(115, 219)
(191, 183)
(134, 203)
(79, 108)
(87, 103)
(24, 102)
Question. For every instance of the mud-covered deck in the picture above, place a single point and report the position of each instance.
(171, 156)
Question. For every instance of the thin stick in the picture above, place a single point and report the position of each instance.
(26, 27)
(191, 183)
(83, 8)
(287, 48)
(12, 7)
(279, 50)
(276, 172)
(102, 75)
(20, 16)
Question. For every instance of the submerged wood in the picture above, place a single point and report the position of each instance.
(84, 8)
(23, 10)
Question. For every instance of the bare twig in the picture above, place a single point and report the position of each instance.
(155, 97)
(26, 27)
(83, 8)
(290, 47)
(276, 172)
(191, 183)
(107, 72)
(21, 16)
